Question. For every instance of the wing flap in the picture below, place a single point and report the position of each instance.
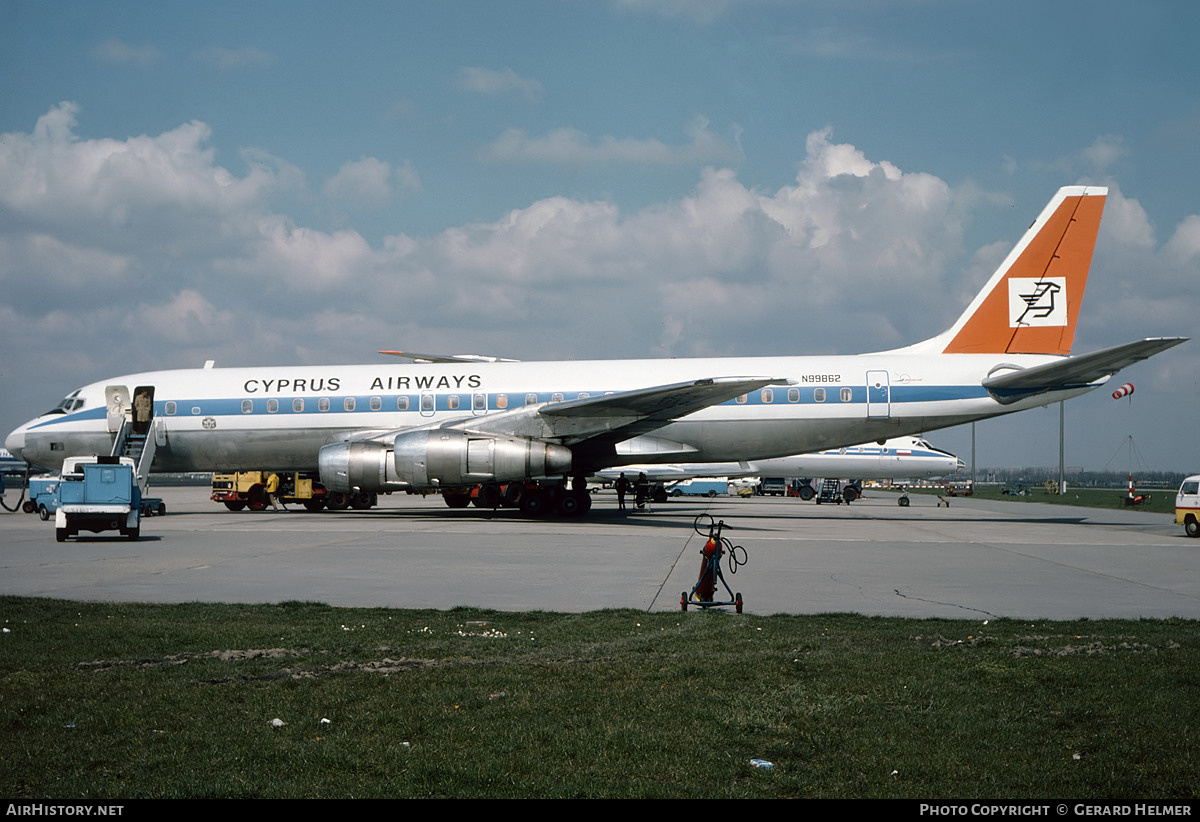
(1077, 371)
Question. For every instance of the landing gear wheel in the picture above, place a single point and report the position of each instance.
(850, 494)
(533, 502)
(488, 495)
(903, 501)
(569, 505)
(457, 500)
(511, 497)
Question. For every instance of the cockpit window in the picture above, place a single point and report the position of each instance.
(72, 402)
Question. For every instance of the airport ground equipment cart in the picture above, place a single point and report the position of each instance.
(43, 496)
(100, 495)
(248, 489)
(716, 547)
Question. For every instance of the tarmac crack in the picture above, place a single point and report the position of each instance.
(903, 595)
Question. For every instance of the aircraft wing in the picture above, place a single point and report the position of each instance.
(447, 358)
(610, 418)
(1076, 371)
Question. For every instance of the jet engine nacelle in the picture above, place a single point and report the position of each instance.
(449, 457)
(345, 466)
(438, 458)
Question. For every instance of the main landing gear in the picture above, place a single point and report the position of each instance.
(534, 498)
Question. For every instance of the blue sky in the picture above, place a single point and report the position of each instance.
(297, 182)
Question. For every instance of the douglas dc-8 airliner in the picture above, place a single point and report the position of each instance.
(453, 425)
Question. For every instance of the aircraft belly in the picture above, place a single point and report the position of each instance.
(279, 450)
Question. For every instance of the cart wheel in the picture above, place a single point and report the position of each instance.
(43, 513)
(737, 602)
(60, 534)
(683, 601)
(162, 509)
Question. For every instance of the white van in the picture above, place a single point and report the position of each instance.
(1187, 506)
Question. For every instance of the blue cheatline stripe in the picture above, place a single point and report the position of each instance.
(228, 406)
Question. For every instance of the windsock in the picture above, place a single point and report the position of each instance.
(1124, 391)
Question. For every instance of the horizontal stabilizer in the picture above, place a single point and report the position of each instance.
(1075, 372)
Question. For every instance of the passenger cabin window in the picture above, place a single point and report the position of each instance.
(348, 404)
(323, 404)
(479, 402)
(502, 401)
(768, 395)
(583, 395)
(376, 403)
(169, 407)
(556, 397)
(452, 402)
(530, 399)
(272, 406)
(427, 402)
(401, 403)
(846, 394)
(818, 395)
(742, 398)
(247, 406)
(793, 395)
(298, 404)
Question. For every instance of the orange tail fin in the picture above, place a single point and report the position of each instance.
(1031, 303)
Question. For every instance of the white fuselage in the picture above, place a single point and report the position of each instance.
(224, 419)
(899, 458)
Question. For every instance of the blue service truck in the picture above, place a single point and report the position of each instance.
(99, 495)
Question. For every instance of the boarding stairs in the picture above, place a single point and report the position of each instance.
(830, 491)
(138, 447)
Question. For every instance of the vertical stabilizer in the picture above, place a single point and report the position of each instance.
(1031, 304)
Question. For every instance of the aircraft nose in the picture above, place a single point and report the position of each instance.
(961, 464)
(15, 442)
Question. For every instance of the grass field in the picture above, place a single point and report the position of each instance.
(105, 701)
(1161, 501)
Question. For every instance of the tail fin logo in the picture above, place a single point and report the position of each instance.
(1031, 303)
(1037, 302)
